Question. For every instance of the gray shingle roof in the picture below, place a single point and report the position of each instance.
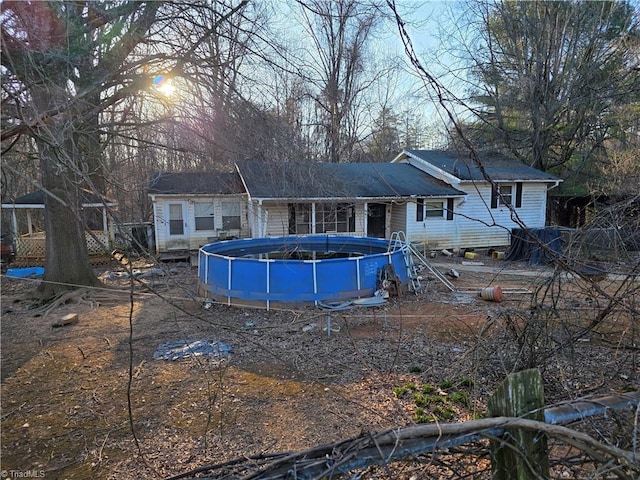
(88, 198)
(193, 183)
(498, 167)
(339, 180)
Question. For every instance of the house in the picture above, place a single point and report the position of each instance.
(437, 199)
(27, 223)
(195, 208)
(358, 199)
(483, 218)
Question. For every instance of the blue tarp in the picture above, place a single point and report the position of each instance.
(535, 245)
(177, 349)
(25, 272)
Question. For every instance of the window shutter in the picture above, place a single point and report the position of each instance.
(449, 208)
(419, 209)
(494, 196)
(518, 194)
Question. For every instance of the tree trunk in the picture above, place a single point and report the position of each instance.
(66, 256)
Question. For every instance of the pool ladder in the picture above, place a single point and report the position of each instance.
(398, 241)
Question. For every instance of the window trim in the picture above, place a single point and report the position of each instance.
(449, 208)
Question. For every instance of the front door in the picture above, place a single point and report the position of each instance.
(176, 226)
(376, 220)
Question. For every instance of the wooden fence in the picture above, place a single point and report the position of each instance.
(30, 248)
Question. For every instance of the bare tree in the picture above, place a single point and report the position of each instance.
(340, 32)
(66, 62)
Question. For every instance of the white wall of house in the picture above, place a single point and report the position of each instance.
(475, 224)
(277, 217)
(483, 226)
(196, 232)
(431, 231)
(399, 215)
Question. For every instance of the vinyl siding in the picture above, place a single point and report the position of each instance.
(193, 239)
(432, 231)
(277, 220)
(399, 216)
(475, 224)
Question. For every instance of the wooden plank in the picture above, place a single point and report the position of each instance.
(70, 319)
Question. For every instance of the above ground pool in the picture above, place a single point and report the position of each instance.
(296, 269)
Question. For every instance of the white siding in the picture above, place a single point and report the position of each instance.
(437, 233)
(399, 216)
(475, 224)
(277, 220)
(194, 239)
(534, 205)
(159, 225)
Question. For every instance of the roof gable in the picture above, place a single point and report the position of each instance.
(194, 183)
(497, 166)
(276, 180)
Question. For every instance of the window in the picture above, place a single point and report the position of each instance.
(434, 209)
(502, 195)
(299, 218)
(176, 222)
(203, 212)
(331, 217)
(230, 215)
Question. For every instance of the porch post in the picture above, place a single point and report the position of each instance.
(14, 220)
(29, 223)
(366, 219)
(251, 217)
(105, 227)
(258, 220)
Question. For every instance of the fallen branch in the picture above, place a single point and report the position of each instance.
(339, 458)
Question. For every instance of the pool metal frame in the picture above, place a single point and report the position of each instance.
(241, 272)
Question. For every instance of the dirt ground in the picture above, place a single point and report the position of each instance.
(90, 401)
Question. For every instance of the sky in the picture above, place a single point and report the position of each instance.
(429, 25)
